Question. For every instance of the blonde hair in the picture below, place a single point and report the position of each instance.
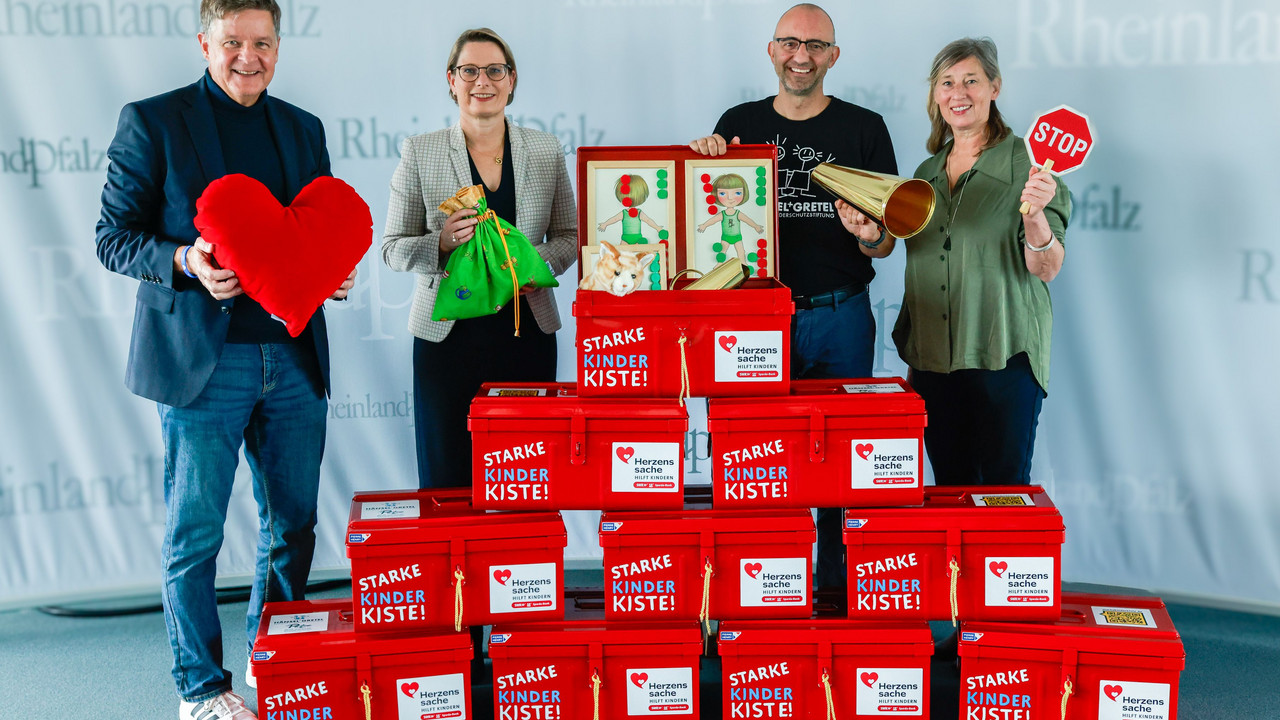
(984, 51)
(638, 193)
(731, 181)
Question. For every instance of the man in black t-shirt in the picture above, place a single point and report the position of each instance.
(825, 245)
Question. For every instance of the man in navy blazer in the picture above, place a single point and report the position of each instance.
(222, 371)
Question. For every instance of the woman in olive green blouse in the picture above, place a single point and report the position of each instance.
(976, 320)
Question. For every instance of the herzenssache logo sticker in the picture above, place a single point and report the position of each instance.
(660, 691)
(646, 467)
(1127, 700)
(1019, 581)
(748, 356)
(433, 697)
(884, 463)
(530, 587)
(888, 691)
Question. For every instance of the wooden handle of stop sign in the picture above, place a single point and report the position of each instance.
(1026, 206)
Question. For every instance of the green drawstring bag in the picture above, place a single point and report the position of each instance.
(486, 272)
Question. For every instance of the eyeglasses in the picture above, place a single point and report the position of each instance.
(471, 73)
(815, 47)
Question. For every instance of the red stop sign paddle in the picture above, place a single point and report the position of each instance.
(1059, 141)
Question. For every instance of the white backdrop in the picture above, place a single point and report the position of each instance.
(1159, 437)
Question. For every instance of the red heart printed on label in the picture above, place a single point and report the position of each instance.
(998, 568)
(409, 689)
(753, 569)
(640, 679)
(1112, 691)
(864, 450)
(625, 453)
(728, 341)
(869, 679)
(502, 576)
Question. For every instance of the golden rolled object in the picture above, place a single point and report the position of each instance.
(902, 206)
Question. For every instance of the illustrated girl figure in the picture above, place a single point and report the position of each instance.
(631, 191)
(731, 191)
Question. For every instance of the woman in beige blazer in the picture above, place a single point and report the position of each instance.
(526, 183)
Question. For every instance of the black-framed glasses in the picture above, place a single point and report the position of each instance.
(471, 73)
(814, 47)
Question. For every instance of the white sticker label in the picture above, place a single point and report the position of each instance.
(517, 392)
(1019, 581)
(749, 356)
(389, 509)
(522, 588)
(1125, 700)
(873, 388)
(660, 691)
(1124, 617)
(435, 697)
(881, 464)
(301, 623)
(989, 500)
(773, 582)
(647, 467)
(890, 691)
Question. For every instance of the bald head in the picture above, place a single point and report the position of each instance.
(807, 15)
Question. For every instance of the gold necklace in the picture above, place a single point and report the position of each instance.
(497, 159)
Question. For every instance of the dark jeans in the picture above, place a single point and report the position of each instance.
(982, 423)
(833, 342)
(447, 375)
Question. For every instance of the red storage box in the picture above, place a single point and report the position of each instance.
(1120, 658)
(830, 443)
(540, 447)
(545, 671)
(775, 668)
(311, 665)
(730, 342)
(407, 549)
(1002, 546)
(760, 563)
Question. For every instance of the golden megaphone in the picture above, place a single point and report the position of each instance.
(902, 206)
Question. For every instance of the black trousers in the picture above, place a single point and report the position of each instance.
(982, 423)
(447, 375)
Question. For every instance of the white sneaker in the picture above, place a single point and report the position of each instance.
(249, 678)
(227, 706)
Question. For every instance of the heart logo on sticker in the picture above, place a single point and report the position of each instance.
(998, 568)
(640, 679)
(728, 341)
(753, 569)
(1112, 691)
(625, 453)
(864, 450)
(869, 679)
(409, 689)
(502, 576)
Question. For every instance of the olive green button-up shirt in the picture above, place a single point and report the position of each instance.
(970, 301)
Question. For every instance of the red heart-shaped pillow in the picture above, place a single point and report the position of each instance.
(289, 259)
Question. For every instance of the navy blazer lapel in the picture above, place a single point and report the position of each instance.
(281, 130)
(198, 114)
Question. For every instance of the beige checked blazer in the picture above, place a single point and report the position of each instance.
(433, 166)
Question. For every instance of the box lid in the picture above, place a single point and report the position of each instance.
(825, 630)
(756, 296)
(695, 521)
(324, 630)
(988, 507)
(855, 397)
(1110, 624)
(585, 624)
(404, 516)
(521, 401)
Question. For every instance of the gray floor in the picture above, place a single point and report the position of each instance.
(54, 668)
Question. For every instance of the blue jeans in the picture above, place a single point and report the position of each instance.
(833, 342)
(269, 397)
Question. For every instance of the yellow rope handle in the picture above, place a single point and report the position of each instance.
(510, 264)
(831, 703)
(595, 695)
(684, 370)
(1067, 687)
(458, 577)
(704, 612)
(368, 707)
(954, 572)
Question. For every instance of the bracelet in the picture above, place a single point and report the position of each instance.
(873, 245)
(185, 270)
(1052, 239)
